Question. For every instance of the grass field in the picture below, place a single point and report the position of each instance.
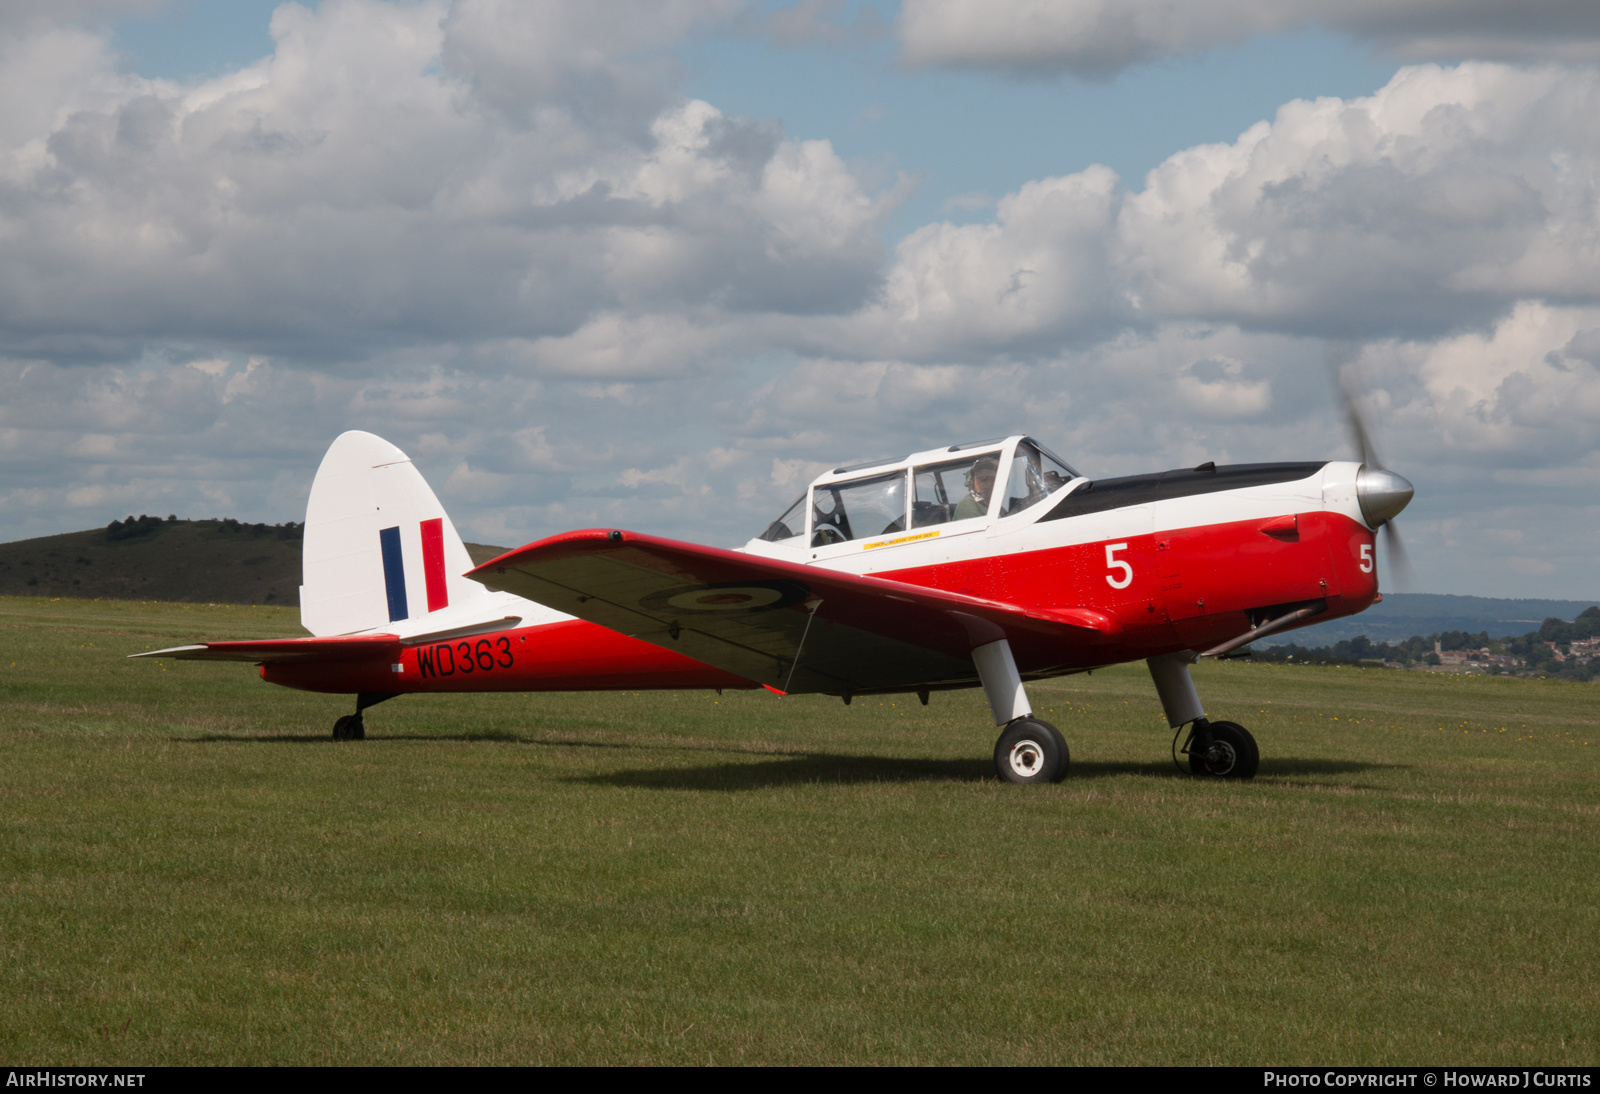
(194, 872)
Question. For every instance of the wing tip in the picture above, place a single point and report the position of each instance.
(170, 651)
(582, 539)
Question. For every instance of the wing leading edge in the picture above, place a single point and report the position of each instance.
(790, 627)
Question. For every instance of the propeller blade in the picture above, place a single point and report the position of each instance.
(1399, 563)
(1383, 494)
(1359, 434)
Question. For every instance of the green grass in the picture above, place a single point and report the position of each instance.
(194, 873)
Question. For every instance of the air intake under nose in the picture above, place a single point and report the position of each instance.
(1382, 494)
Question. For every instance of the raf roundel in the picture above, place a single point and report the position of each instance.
(727, 596)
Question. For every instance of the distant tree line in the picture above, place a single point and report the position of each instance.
(289, 530)
(1548, 651)
(143, 525)
(140, 526)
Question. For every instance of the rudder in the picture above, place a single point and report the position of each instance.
(379, 549)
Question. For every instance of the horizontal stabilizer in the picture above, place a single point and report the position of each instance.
(790, 627)
(487, 626)
(279, 650)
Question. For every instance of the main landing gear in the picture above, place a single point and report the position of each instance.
(350, 727)
(1029, 750)
(1033, 751)
(1223, 750)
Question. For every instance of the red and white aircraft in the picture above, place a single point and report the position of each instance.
(978, 565)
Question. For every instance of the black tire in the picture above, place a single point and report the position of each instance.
(349, 728)
(1234, 754)
(1066, 757)
(1031, 751)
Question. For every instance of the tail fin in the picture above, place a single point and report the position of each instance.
(378, 548)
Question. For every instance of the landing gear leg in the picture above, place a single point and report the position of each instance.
(351, 727)
(1221, 749)
(1029, 750)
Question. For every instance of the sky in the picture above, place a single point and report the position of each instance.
(654, 265)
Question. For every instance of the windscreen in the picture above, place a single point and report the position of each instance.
(1035, 475)
(791, 524)
(861, 508)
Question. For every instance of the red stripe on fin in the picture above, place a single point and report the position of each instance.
(433, 563)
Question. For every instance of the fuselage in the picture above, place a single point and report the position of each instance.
(561, 655)
(1180, 560)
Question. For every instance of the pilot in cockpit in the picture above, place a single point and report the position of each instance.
(980, 487)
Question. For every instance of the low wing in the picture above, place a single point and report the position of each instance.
(793, 628)
(273, 650)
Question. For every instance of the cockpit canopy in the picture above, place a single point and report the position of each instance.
(926, 489)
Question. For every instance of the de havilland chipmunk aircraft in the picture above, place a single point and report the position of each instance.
(977, 565)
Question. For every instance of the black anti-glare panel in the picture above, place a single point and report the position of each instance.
(1104, 494)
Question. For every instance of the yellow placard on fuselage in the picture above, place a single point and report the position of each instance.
(899, 540)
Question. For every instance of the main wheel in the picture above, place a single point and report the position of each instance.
(1031, 751)
(349, 728)
(1233, 753)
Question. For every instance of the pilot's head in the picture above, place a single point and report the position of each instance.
(980, 480)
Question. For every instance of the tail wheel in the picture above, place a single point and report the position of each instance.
(1031, 751)
(1233, 753)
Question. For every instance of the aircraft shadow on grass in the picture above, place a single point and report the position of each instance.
(823, 768)
(792, 768)
(485, 737)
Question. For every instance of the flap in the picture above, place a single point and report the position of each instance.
(790, 627)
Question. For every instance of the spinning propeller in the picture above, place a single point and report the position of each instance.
(1381, 492)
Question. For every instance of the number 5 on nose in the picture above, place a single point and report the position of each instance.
(1115, 563)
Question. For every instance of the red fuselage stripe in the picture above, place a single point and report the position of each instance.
(571, 655)
(433, 563)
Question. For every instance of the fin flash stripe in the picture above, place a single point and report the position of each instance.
(394, 573)
(433, 564)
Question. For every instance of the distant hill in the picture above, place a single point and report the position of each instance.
(199, 561)
(1402, 615)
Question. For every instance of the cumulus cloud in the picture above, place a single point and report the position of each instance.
(1435, 204)
(1035, 275)
(1097, 38)
(359, 186)
(1524, 396)
(1447, 195)
(595, 62)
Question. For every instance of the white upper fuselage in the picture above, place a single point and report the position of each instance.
(1330, 489)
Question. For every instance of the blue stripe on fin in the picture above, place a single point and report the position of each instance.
(394, 573)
